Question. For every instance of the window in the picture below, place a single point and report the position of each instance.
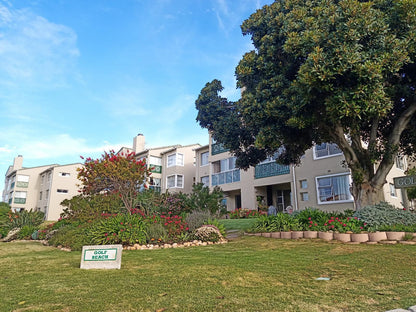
(155, 160)
(205, 180)
(22, 181)
(303, 184)
(47, 194)
(400, 162)
(64, 174)
(174, 181)
(20, 197)
(62, 191)
(175, 160)
(304, 196)
(335, 188)
(40, 195)
(204, 159)
(393, 192)
(326, 150)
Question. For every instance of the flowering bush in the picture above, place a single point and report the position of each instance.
(174, 224)
(343, 225)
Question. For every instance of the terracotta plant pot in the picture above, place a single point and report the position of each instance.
(275, 234)
(297, 234)
(257, 234)
(286, 235)
(359, 237)
(310, 234)
(377, 236)
(266, 234)
(395, 236)
(342, 237)
(326, 235)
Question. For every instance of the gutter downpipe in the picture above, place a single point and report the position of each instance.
(295, 189)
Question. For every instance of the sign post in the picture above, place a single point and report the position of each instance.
(101, 257)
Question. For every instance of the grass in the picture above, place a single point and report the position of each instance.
(247, 274)
(237, 224)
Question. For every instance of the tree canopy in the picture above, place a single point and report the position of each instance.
(323, 71)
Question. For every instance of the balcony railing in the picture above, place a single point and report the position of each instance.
(22, 184)
(157, 189)
(20, 200)
(226, 177)
(218, 148)
(270, 169)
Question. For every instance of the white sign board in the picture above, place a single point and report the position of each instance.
(101, 257)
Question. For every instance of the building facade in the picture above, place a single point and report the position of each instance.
(172, 167)
(40, 188)
(320, 181)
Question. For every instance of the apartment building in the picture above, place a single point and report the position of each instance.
(40, 188)
(57, 183)
(172, 167)
(320, 181)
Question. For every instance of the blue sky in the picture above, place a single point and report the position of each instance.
(80, 77)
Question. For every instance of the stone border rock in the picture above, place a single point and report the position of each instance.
(410, 309)
(174, 245)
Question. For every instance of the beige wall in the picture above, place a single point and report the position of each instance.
(63, 184)
(187, 170)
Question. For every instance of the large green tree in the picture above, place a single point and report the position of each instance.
(323, 71)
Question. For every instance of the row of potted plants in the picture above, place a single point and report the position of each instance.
(342, 237)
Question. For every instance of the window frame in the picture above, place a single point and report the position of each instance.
(316, 157)
(176, 162)
(317, 186)
(202, 159)
(175, 181)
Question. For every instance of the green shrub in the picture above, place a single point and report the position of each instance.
(26, 232)
(279, 222)
(122, 229)
(4, 219)
(197, 218)
(156, 233)
(397, 228)
(385, 214)
(24, 217)
(72, 236)
(218, 225)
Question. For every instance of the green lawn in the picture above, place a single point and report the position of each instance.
(237, 224)
(247, 274)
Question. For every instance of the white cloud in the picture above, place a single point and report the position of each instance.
(35, 51)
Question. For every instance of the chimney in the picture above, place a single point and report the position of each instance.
(18, 162)
(138, 143)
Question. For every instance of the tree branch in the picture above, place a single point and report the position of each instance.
(393, 140)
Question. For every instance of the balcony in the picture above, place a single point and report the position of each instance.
(226, 177)
(270, 169)
(19, 200)
(218, 148)
(22, 184)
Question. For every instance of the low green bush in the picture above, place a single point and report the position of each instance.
(384, 214)
(197, 218)
(25, 217)
(123, 229)
(276, 223)
(26, 232)
(156, 233)
(72, 236)
(218, 225)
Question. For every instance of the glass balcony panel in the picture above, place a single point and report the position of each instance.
(270, 169)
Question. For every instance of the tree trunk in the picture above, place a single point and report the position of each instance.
(366, 194)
